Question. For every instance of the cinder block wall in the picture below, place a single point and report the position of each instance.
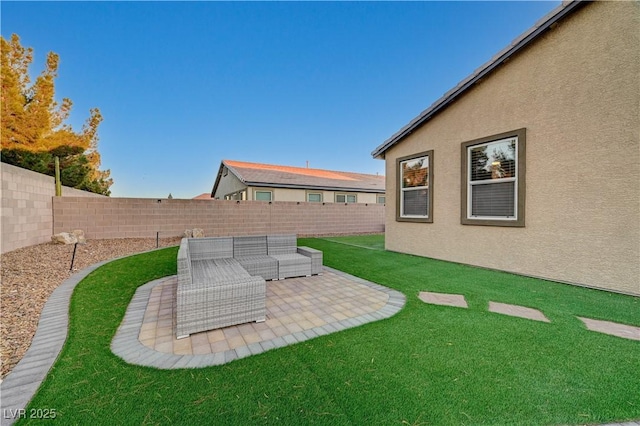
(26, 206)
(104, 218)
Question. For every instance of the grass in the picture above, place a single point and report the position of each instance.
(426, 365)
(374, 242)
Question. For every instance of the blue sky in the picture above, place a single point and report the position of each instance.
(184, 85)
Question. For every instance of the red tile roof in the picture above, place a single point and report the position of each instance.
(257, 174)
(205, 196)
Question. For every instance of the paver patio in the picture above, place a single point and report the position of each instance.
(298, 309)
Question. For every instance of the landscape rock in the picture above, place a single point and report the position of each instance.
(29, 276)
(64, 238)
(198, 233)
(79, 234)
(188, 233)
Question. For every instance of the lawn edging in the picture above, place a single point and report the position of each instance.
(22, 383)
(127, 346)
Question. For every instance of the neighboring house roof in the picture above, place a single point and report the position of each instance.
(205, 196)
(565, 9)
(269, 175)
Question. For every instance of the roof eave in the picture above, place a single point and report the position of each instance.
(518, 44)
(223, 164)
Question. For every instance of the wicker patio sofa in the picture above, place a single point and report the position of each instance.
(221, 280)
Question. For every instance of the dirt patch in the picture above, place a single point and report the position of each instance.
(29, 276)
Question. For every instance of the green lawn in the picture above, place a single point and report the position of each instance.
(375, 242)
(427, 365)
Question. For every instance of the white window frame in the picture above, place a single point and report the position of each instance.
(314, 193)
(427, 217)
(519, 179)
(471, 184)
(413, 188)
(346, 198)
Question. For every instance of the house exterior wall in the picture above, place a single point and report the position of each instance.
(300, 195)
(575, 90)
(228, 184)
(27, 217)
(231, 184)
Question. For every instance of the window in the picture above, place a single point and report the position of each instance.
(314, 197)
(239, 195)
(346, 198)
(263, 195)
(493, 180)
(381, 199)
(415, 188)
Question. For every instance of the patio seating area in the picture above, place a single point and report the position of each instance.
(297, 309)
(221, 281)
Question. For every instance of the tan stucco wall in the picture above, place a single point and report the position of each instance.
(576, 90)
(227, 185)
(300, 195)
(230, 184)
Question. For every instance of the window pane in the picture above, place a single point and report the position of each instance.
(351, 198)
(493, 199)
(495, 160)
(340, 198)
(415, 202)
(314, 198)
(263, 196)
(415, 172)
(382, 200)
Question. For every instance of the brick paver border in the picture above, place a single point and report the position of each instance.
(19, 386)
(126, 343)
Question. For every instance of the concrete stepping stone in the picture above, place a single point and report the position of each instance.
(612, 328)
(444, 299)
(517, 311)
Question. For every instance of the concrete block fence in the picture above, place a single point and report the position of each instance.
(26, 198)
(31, 213)
(105, 218)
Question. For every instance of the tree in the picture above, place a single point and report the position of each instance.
(33, 128)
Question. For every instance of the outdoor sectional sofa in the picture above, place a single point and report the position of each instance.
(222, 280)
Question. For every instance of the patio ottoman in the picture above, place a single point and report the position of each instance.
(292, 265)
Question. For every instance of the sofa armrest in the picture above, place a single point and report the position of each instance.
(184, 264)
(308, 251)
(316, 258)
